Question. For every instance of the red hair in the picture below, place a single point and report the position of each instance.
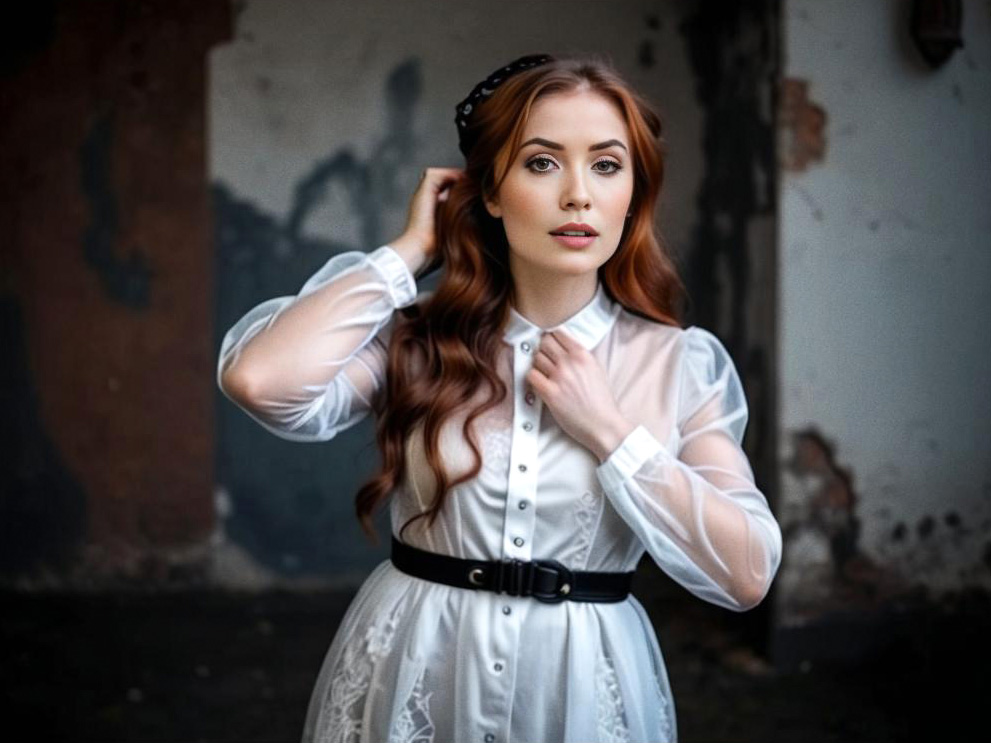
(456, 336)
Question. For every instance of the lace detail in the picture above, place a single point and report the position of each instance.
(496, 441)
(345, 702)
(586, 512)
(612, 724)
(414, 724)
(667, 729)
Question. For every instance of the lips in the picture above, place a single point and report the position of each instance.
(575, 227)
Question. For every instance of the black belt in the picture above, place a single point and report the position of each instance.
(546, 580)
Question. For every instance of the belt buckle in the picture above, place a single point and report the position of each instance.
(518, 578)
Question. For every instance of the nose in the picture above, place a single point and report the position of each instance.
(575, 193)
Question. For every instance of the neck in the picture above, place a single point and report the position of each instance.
(548, 300)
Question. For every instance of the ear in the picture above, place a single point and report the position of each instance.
(492, 207)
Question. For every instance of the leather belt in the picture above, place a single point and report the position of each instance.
(545, 580)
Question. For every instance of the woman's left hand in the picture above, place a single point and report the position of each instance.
(573, 384)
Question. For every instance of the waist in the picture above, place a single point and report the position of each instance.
(545, 580)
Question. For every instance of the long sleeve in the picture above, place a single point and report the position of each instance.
(316, 360)
(699, 514)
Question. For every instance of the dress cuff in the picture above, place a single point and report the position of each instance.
(402, 283)
(638, 446)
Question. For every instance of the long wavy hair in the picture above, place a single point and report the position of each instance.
(456, 333)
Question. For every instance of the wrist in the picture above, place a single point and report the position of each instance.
(612, 435)
(411, 251)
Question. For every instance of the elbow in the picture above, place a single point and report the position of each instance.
(751, 596)
(240, 387)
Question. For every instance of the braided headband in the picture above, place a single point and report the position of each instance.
(483, 90)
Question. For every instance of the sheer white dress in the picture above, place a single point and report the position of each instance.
(419, 661)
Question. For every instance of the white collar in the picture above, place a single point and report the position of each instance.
(588, 326)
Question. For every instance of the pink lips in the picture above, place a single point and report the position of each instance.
(574, 242)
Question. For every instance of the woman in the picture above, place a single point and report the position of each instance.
(544, 420)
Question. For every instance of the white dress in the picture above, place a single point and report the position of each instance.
(424, 662)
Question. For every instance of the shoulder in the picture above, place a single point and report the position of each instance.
(704, 352)
(707, 372)
(633, 330)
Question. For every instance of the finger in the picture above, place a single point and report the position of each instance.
(543, 363)
(565, 340)
(555, 344)
(438, 176)
(551, 348)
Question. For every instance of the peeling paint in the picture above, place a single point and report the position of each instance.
(802, 127)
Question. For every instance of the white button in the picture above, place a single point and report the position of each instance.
(489, 737)
(518, 541)
(523, 505)
(530, 397)
(507, 610)
(525, 346)
(522, 468)
(527, 426)
(497, 666)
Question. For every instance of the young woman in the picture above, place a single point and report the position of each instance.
(543, 418)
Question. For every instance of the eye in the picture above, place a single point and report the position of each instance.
(616, 167)
(533, 167)
(530, 163)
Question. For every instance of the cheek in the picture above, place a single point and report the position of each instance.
(526, 206)
(616, 201)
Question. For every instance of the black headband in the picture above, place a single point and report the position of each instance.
(483, 90)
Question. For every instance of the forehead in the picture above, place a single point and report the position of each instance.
(578, 116)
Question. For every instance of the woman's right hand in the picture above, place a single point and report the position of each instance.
(420, 232)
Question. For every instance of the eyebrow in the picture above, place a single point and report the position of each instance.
(556, 146)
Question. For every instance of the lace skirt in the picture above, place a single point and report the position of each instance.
(415, 661)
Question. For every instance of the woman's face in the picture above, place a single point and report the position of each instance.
(574, 166)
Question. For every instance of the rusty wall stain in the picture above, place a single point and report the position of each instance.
(112, 271)
(802, 125)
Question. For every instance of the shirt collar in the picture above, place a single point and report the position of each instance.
(588, 326)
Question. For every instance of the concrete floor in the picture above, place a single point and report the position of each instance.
(205, 666)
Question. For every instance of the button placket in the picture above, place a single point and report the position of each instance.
(519, 523)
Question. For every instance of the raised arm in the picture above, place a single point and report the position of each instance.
(698, 512)
(309, 366)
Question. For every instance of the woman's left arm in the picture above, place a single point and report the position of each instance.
(699, 514)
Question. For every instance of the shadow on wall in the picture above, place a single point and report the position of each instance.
(290, 506)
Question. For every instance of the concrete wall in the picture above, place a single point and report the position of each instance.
(885, 312)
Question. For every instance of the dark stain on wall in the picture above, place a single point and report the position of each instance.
(42, 508)
(293, 504)
(125, 280)
(733, 51)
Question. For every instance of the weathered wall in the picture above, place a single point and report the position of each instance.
(885, 312)
(106, 304)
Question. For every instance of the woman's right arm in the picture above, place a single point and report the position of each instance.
(309, 366)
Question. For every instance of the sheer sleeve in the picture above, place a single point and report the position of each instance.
(313, 364)
(699, 514)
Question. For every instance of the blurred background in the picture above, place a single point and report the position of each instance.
(169, 571)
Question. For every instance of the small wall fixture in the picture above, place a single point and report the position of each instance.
(935, 29)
